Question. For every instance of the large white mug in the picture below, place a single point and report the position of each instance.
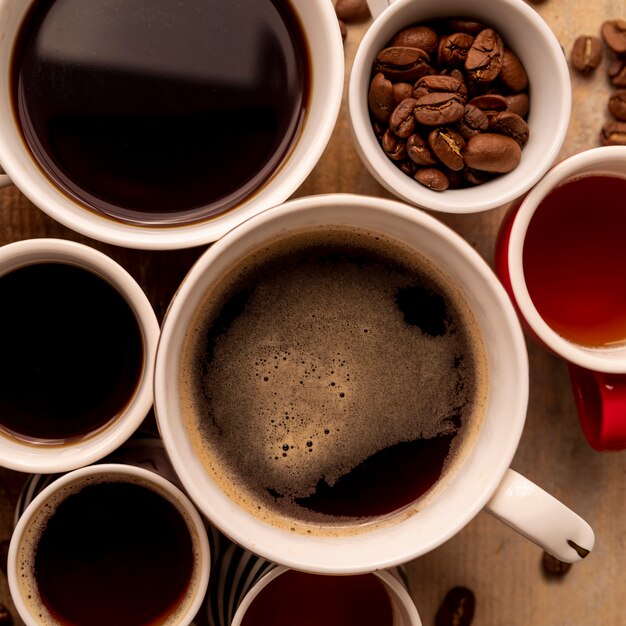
(481, 477)
(526, 33)
(324, 51)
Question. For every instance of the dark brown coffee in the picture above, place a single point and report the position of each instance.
(72, 353)
(112, 552)
(158, 112)
(331, 378)
(299, 599)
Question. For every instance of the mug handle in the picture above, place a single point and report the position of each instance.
(376, 7)
(601, 404)
(542, 518)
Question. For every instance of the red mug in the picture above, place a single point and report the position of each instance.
(560, 254)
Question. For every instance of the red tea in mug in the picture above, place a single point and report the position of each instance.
(575, 260)
(298, 599)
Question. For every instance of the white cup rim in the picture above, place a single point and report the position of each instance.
(198, 529)
(19, 165)
(391, 584)
(26, 457)
(332, 555)
(582, 163)
(501, 189)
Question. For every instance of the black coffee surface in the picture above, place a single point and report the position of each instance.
(113, 553)
(155, 111)
(72, 352)
(332, 376)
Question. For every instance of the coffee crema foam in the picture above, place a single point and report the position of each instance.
(29, 541)
(309, 359)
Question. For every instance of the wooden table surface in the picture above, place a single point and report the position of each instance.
(503, 569)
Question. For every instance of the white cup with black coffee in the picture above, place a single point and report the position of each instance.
(156, 125)
(79, 339)
(341, 385)
(109, 544)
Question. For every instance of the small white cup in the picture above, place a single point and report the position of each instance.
(326, 60)
(42, 506)
(23, 456)
(525, 32)
(480, 479)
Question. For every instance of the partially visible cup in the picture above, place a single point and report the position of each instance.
(246, 590)
(560, 255)
(107, 541)
(79, 341)
(202, 145)
(528, 36)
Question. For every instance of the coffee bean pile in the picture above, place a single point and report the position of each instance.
(448, 103)
(587, 54)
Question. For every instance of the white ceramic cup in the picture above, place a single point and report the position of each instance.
(41, 508)
(23, 456)
(525, 32)
(325, 51)
(597, 374)
(239, 576)
(480, 479)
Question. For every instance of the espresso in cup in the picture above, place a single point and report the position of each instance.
(73, 353)
(331, 378)
(152, 113)
(108, 547)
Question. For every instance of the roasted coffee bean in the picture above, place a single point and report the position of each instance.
(402, 91)
(586, 53)
(513, 74)
(457, 608)
(422, 37)
(447, 145)
(553, 567)
(351, 10)
(432, 178)
(474, 121)
(408, 167)
(617, 105)
(613, 134)
(418, 151)
(402, 64)
(510, 124)
(518, 103)
(439, 83)
(379, 129)
(402, 121)
(453, 49)
(438, 109)
(393, 146)
(490, 102)
(494, 153)
(466, 26)
(614, 35)
(484, 58)
(617, 73)
(380, 98)
(475, 177)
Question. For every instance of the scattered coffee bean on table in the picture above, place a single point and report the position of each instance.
(351, 10)
(554, 567)
(613, 134)
(457, 608)
(614, 35)
(617, 73)
(587, 54)
(448, 101)
(617, 105)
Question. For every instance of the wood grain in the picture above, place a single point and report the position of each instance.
(502, 568)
